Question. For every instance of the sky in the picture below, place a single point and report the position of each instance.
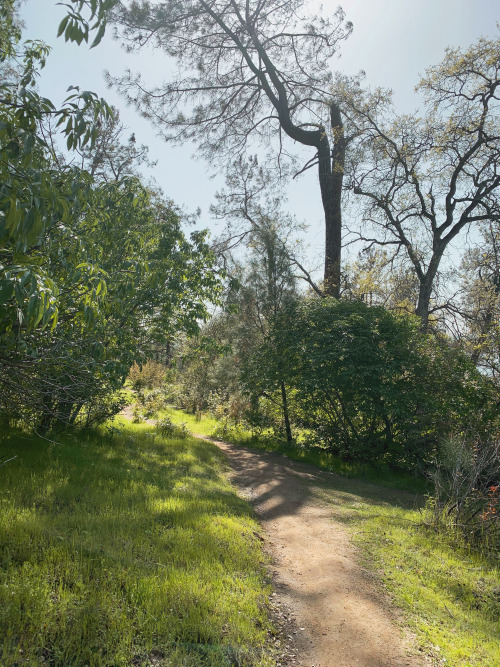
(393, 41)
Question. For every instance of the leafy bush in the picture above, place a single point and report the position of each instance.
(370, 385)
(137, 415)
(170, 430)
(150, 375)
(151, 402)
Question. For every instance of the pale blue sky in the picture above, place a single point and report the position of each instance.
(393, 41)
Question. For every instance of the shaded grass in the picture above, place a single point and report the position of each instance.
(126, 549)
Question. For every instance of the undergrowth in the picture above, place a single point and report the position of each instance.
(317, 456)
(124, 547)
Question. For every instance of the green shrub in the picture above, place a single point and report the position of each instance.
(367, 382)
(168, 429)
(150, 375)
(151, 402)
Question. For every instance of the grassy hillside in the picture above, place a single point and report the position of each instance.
(126, 549)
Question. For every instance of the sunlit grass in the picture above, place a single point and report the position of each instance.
(121, 549)
(199, 425)
(316, 456)
(451, 597)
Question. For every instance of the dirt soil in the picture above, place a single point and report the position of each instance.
(330, 609)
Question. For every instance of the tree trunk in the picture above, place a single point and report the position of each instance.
(285, 413)
(331, 177)
(425, 291)
(422, 309)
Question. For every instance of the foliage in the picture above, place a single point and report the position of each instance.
(367, 382)
(151, 402)
(150, 284)
(379, 279)
(208, 373)
(39, 197)
(167, 428)
(206, 368)
(131, 548)
(150, 375)
(95, 272)
(466, 496)
(77, 28)
(198, 424)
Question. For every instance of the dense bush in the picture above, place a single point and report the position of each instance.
(369, 384)
(149, 375)
(168, 429)
(150, 402)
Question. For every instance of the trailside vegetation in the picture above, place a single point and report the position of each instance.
(95, 271)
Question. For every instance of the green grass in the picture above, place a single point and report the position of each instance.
(316, 456)
(126, 549)
(450, 596)
(204, 426)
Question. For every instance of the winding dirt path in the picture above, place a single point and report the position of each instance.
(341, 618)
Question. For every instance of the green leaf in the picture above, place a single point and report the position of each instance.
(6, 291)
(62, 25)
(13, 216)
(100, 35)
(19, 294)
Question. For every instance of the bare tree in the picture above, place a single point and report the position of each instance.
(426, 178)
(250, 203)
(249, 71)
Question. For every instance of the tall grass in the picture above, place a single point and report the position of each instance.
(126, 549)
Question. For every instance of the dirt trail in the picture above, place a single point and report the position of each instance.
(342, 620)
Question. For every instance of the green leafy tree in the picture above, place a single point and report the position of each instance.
(94, 271)
(38, 196)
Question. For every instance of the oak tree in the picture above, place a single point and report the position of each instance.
(424, 178)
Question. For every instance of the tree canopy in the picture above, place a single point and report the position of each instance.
(424, 178)
(249, 72)
(95, 270)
